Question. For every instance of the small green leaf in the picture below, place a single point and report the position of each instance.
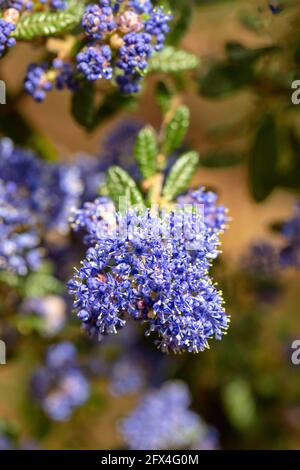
(237, 52)
(239, 404)
(172, 60)
(83, 104)
(180, 175)
(264, 159)
(176, 130)
(221, 159)
(224, 78)
(146, 151)
(120, 184)
(46, 24)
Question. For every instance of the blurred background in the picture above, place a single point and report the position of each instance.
(245, 388)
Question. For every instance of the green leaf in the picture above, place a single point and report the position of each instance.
(172, 60)
(111, 104)
(228, 76)
(39, 284)
(263, 159)
(181, 175)
(221, 159)
(163, 97)
(83, 104)
(239, 404)
(182, 16)
(176, 130)
(46, 24)
(224, 78)
(121, 185)
(237, 52)
(146, 151)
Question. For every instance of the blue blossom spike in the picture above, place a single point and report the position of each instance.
(158, 26)
(145, 267)
(98, 21)
(95, 62)
(133, 56)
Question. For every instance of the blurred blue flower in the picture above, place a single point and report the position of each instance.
(162, 420)
(290, 254)
(127, 376)
(60, 386)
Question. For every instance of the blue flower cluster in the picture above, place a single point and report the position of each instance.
(60, 387)
(35, 197)
(162, 420)
(127, 376)
(290, 254)
(122, 36)
(275, 6)
(30, 5)
(19, 239)
(145, 266)
(40, 79)
(216, 216)
(6, 29)
(262, 260)
(12, 10)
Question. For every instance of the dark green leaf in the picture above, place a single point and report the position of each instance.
(237, 52)
(224, 78)
(263, 159)
(83, 104)
(221, 159)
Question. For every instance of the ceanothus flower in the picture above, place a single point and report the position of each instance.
(95, 62)
(121, 38)
(127, 376)
(6, 29)
(158, 27)
(98, 20)
(215, 216)
(60, 386)
(275, 6)
(162, 420)
(290, 254)
(153, 268)
(42, 78)
(261, 261)
(134, 54)
(19, 238)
